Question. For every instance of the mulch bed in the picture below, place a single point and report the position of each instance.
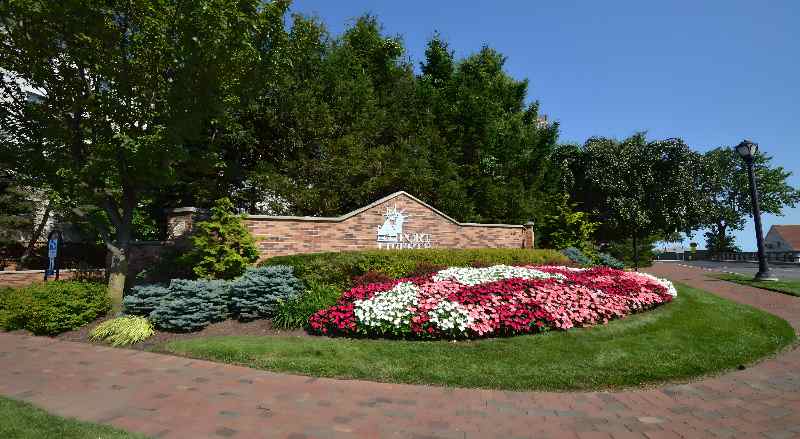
(227, 327)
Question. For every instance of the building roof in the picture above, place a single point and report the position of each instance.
(790, 233)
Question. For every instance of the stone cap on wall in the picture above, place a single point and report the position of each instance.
(369, 206)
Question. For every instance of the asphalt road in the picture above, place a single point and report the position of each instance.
(746, 268)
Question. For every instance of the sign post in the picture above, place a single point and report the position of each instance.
(54, 240)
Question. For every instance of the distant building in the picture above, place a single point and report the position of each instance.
(783, 239)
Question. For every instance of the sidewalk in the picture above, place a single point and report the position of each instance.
(172, 397)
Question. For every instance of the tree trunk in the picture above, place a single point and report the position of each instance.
(635, 252)
(117, 276)
(722, 232)
(37, 232)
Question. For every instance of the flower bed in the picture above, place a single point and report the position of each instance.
(499, 300)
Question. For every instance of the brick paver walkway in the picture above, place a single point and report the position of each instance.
(166, 396)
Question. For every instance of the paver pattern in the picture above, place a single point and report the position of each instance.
(172, 397)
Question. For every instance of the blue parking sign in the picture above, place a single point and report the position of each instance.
(52, 248)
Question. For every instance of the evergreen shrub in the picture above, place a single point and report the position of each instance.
(222, 247)
(577, 256)
(141, 300)
(609, 261)
(257, 292)
(192, 305)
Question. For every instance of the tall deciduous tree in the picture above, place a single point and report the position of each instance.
(125, 89)
(638, 188)
(727, 202)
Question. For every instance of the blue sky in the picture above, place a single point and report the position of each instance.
(710, 72)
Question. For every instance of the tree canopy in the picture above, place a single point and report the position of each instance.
(727, 204)
(635, 187)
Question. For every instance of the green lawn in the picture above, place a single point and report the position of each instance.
(786, 286)
(20, 420)
(696, 334)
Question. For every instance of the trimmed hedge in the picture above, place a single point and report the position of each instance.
(339, 268)
(53, 307)
(258, 291)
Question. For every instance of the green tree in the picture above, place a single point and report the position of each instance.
(639, 188)
(222, 247)
(727, 204)
(17, 209)
(126, 90)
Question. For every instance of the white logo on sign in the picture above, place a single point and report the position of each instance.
(392, 226)
(391, 235)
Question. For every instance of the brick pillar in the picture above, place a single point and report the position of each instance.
(180, 221)
(529, 235)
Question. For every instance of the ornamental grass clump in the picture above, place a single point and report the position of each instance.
(258, 292)
(122, 331)
(469, 302)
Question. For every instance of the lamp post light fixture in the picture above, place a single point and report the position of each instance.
(747, 151)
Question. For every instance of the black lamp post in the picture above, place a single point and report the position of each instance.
(748, 150)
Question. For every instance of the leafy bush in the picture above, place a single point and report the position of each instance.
(294, 313)
(257, 293)
(339, 268)
(609, 261)
(54, 307)
(123, 331)
(222, 247)
(192, 305)
(143, 299)
(566, 227)
(577, 256)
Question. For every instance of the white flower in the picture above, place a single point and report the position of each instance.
(388, 307)
(476, 276)
(449, 315)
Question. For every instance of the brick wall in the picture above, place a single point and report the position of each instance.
(424, 227)
(22, 278)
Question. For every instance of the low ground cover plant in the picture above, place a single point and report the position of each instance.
(500, 300)
(123, 331)
(50, 308)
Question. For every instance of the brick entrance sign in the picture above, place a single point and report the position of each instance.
(398, 221)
